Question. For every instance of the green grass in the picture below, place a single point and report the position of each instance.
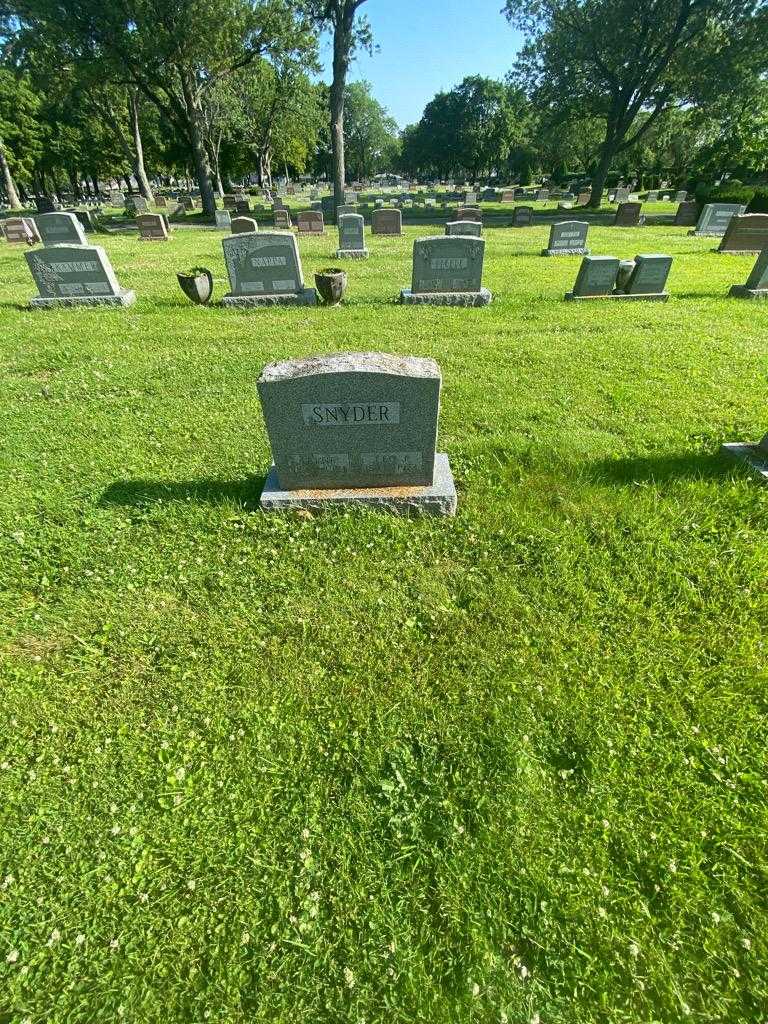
(351, 768)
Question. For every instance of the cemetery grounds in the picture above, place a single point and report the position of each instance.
(355, 768)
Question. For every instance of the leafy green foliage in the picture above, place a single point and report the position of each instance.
(372, 143)
(21, 133)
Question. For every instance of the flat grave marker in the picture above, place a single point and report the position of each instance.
(355, 428)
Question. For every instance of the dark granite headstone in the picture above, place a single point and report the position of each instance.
(447, 271)
(687, 214)
(464, 227)
(387, 222)
(567, 238)
(75, 275)
(60, 229)
(746, 232)
(153, 227)
(264, 269)
(628, 215)
(649, 276)
(597, 276)
(310, 222)
(243, 225)
(522, 217)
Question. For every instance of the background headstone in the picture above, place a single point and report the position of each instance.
(628, 215)
(264, 269)
(447, 271)
(596, 276)
(567, 238)
(20, 230)
(715, 217)
(60, 229)
(241, 225)
(153, 227)
(351, 237)
(687, 214)
(464, 227)
(282, 218)
(310, 222)
(757, 282)
(522, 216)
(71, 275)
(224, 220)
(387, 222)
(746, 232)
(650, 274)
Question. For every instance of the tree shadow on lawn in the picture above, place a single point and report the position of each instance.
(657, 469)
(212, 491)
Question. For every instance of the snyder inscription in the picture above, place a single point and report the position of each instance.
(351, 414)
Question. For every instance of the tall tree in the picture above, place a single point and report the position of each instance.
(371, 136)
(350, 31)
(617, 59)
(172, 51)
(20, 133)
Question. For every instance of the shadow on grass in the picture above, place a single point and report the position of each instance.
(659, 469)
(20, 307)
(211, 491)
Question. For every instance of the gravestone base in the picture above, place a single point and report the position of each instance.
(705, 234)
(438, 499)
(125, 298)
(565, 252)
(649, 297)
(755, 456)
(306, 297)
(740, 291)
(352, 254)
(481, 298)
(738, 252)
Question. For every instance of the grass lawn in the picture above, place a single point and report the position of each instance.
(353, 769)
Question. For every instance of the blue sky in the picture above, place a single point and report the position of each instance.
(429, 45)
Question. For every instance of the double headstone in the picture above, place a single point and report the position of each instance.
(60, 229)
(646, 278)
(351, 237)
(628, 215)
(464, 227)
(264, 269)
(153, 227)
(757, 282)
(310, 222)
(746, 232)
(567, 238)
(447, 271)
(387, 222)
(522, 216)
(715, 217)
(75, 275)
(355, 428)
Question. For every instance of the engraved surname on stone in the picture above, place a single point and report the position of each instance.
(269, 261)
(351, 414)
(75, 267)
(449, 263)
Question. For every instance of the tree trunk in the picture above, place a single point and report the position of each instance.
(8, 183)
(601, 173)
(139, 170)
(197, 145)
(342, 42)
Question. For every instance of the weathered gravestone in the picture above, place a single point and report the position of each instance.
(622, 195)
(116, 197)
(686, 214)
(153, 227)
(161, 202)
(224, 220)
(265, 270)
(653, 196)
(243, 225)
(310, 222)
(20, 230)
(542, 195)
(86, 219)
(508, 195)
(681, 196)
(447, 271)
(757, 282)
(567, 238)
(60, 229)
(628, 215)
(522, 216)
(282, 218)
(596, 277)
(351, 237)
(714, 219)
(44, 204)
(344, 208)
(187, 202)
(746, 232)
(229, 201)
(355, 428)
(464, 227)
(387, 222)
(242, 207)
(583, 198)
(75, 275)
(473, 213)
(470, 198)
(136, 204)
